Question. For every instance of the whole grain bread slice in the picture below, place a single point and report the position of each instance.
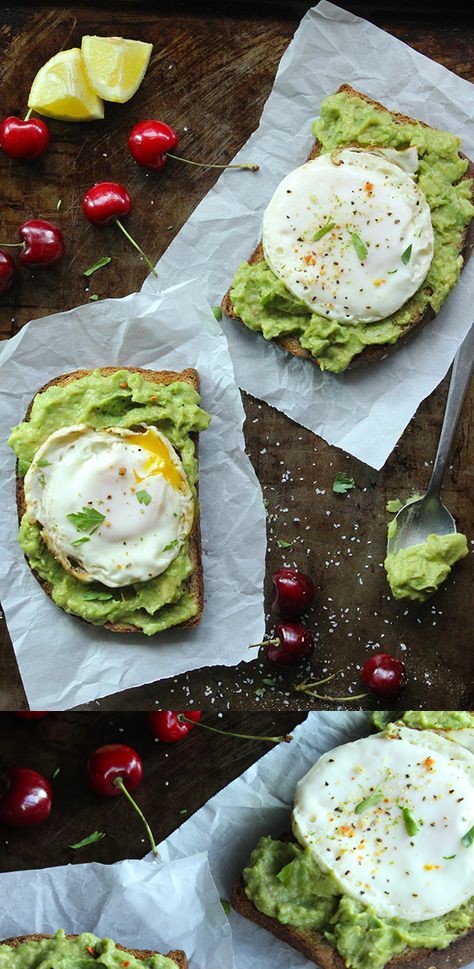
(176, 955)
(317, 949)
(370, 354)
(195, 583)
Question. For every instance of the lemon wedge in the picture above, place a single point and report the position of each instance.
(62, 90)
(115, 66)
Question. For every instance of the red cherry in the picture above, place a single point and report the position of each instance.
(165, 726)
(43, 244)
(106, 201)
(26, 139)
(26, 799)
(384, 674)
(149, 141)
(111, 763)
(31, 714)
(7, 271)
(291, 644)
(294, 592)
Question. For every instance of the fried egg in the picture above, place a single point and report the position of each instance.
(349, 233)
(114, 505)
(391, 816)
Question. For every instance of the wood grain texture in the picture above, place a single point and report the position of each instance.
(210, 74)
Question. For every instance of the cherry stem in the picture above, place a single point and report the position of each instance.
(228, 733)
(119, 783)
(12, 245)
(266, 642)
(310, 683)
(28, 114)
(307, 687)
(137, 247)
(247, 166)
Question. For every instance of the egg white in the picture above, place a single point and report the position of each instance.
(135, 486)
(354, 194)
(371, 854)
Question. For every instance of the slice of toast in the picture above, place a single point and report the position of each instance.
(176, 955)
(195, 583)
(317, 949)
(370, 354)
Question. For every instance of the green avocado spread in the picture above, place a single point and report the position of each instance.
(120, 399)
(62, 953)
(417, 571)
(265, 304)
(284, 881)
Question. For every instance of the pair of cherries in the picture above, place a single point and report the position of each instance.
(42, 246)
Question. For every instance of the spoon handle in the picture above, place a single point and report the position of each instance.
(459, 383)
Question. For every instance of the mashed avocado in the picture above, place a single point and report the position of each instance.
(417, 571)
(265, 304)
(62, 953)
(424, 719)
(284, 881)
(121, 399)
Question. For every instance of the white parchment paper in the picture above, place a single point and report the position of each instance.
(141, 904)
(364, 412)
(64, 661)
(258, 803)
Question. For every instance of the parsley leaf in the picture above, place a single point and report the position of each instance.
(406, 256)
(97, 265)
(371, 801)
(80, 541)
(359, 246)
(411, 825)
(394, 505)
(225, 905)
(217, 312)
(322, 232)
(282, 544)
(342, 483)
(143, 497)
(170, 545)
(90, 840)
(468, 838)
(87, 520)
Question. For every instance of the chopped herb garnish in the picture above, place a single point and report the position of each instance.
(170, 545)
(43, 463)
(390, 272)
(266, 502)
(282, 544)
(87, 520)
(268, 681)
(143, 497)
(406, 256)
(93, 298)
(80, 541)
(97, 265)
(371, 801)
(342, 483)
(322, 232)
(97, 596)
(217, 312)
(225, 905)
(260, 691)
(394, 505)
(359, 246)
(58, 204)
(468, 838)
(448, 857)
(95, 836)
(56, 772)
(411, 825)
(183, 811)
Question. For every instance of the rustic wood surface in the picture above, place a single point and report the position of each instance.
(171, 789)
(210, 74)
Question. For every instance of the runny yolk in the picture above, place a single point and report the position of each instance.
(159, 460)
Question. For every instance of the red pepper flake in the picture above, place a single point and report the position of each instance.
(90, 950)
(429, 763)
(369, 188)
(125, 964)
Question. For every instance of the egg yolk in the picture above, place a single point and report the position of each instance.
(159, 460)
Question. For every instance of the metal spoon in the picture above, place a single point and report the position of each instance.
(427, 515)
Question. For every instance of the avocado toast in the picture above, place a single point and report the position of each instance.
(338, 337)
(123, 404)
(63, 950)
(366, 878)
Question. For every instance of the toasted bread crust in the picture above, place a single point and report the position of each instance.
(196, 580)
(315, 947)
(369, 354)
(176, 955)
